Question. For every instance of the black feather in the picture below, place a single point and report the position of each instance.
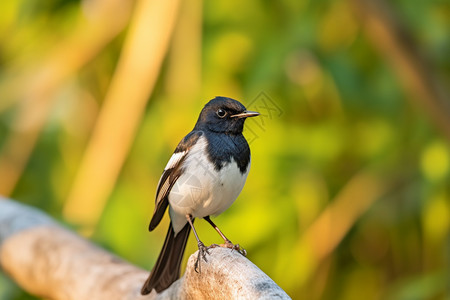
(223, 147)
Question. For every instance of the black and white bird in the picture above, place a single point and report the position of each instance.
(203, 177)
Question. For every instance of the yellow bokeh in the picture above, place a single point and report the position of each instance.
(435, 161)
(339, 28)
(436, 217)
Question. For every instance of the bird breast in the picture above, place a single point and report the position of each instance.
(202, 190)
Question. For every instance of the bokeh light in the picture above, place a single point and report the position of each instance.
(349, 191)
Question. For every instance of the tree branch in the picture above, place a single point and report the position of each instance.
(52, 262)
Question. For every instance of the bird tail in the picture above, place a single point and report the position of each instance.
(167, 267)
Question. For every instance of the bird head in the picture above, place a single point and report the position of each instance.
(224, 115)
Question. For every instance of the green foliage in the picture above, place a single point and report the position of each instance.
(334, 113)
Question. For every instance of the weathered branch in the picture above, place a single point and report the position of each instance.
(52, 262)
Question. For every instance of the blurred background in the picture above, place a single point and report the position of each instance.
(349, 192)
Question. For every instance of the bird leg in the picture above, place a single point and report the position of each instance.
(228, 243)
(202, 249)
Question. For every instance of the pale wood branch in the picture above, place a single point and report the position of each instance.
(52, 262)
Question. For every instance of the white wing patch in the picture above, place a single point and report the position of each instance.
(175, 159)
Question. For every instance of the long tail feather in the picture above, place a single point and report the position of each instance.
(167, 267)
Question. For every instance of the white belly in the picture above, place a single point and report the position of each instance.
(202, 191)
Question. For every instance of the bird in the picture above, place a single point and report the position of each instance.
(204, 176)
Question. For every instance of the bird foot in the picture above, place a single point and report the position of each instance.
(228, 244)
(202, 251)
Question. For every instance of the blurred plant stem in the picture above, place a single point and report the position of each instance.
(183, 79)
(322, 237)
(142, 55)
(335, 221)
(92, 33)
(399, 48)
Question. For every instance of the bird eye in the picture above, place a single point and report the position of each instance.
(221, 113)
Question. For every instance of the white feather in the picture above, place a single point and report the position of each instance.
(174, 159)
(201, 190)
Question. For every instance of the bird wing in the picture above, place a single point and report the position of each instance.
(172, 172)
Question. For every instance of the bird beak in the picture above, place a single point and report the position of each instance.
(246, 114)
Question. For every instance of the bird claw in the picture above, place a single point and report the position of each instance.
(202, 251)
(230, 245)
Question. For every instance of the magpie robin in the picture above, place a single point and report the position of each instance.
(204, 176)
